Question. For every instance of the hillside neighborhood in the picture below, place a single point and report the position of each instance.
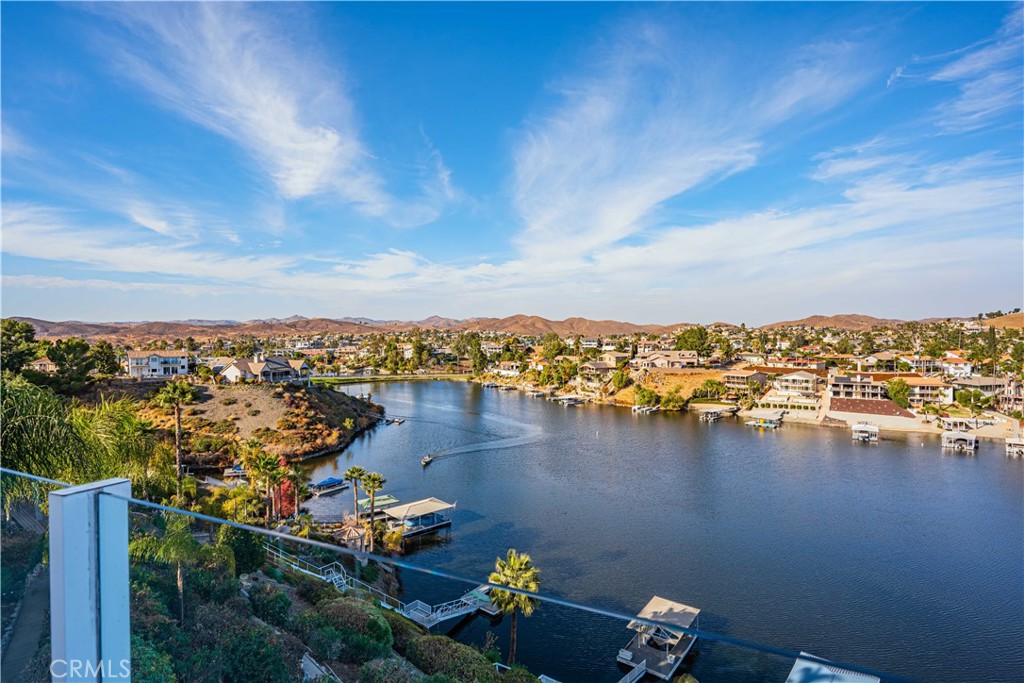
(961, 374)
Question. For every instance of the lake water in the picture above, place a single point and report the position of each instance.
(892, 556)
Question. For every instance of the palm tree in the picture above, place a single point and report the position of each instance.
(372, 483)
(355, 475)
(298, 481)
(179, 547)
(265, 470)
(515, 571)
(175, 395)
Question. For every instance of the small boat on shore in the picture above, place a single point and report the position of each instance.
(490, 385)
(426, 460)
(328, 486)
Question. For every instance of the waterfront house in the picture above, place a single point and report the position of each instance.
(737, 380)
(156, 364)
(262, 368)
(859, 386)
(928, 390)
(596, 371)
(507, 368)
(990, 386)
(1011, 398)
(800, 383)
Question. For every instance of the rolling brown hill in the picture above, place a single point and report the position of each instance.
(528, 325)
(843, 321)
(1014, 320)
(533, 325)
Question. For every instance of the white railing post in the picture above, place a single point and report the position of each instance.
(90, 632)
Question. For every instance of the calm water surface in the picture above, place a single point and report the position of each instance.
(893, 556)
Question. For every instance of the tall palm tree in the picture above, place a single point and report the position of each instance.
(298, 481)
(373, 483)
(515, 571)
(355, 475)
(175, 395)
(179, 547)
(265, 470)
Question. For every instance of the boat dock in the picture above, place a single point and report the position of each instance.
(644, 410)
(961, 442)
(769, 419)
(864, 432)
(659, 650)
(567, 400)
(328, 487)
(1015, 448)
(420, 517)
(807, 670)
(427, 616)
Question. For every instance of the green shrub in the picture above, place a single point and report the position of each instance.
(246, 545)
(207, 443)
(346, 629)
(442, 655)
(270, 604)
(388, 671)
(229, 401)
(403, 630)
(150, 665)
(315, 591)
(253, 412)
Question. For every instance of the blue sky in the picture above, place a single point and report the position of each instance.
(652, 163)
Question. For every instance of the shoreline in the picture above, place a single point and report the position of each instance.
(816, 419)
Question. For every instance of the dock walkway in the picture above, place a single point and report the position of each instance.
(423, 614)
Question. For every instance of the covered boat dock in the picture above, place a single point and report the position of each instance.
(805, 670)
(960, 441)
(420, 517)
(864, 432)
(659, 650)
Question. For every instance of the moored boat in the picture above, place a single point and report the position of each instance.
(328, 486)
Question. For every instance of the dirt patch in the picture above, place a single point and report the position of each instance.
(662, 381)
(291, 421)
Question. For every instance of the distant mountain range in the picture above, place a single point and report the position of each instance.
(529, 325)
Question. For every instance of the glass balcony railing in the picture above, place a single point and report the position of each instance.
(167, 594)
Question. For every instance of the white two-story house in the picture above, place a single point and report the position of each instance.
(153, 364)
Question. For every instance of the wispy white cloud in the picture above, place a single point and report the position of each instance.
(988, 75)
(231, 69)
(650, 118)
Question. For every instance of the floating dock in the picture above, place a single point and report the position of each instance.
(659, 650)
(1015, 448)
